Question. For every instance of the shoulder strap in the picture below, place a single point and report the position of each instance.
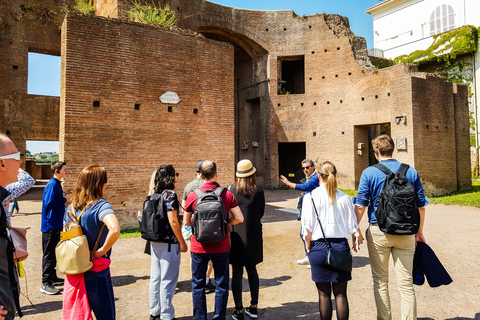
(199, 193)
(219, 191)
(383, 168)
(318, 219)
(403, 169)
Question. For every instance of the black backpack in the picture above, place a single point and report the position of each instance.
(397, 211)
(154, 225)
(209, 224)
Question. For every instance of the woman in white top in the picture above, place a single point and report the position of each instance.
(336, 213)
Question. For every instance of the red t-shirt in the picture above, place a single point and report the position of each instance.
(229, 202)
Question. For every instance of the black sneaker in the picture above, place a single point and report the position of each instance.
(251, 312)
(57, 280)
(209, 287)
(237, 316)
(49, 289)
(154, 317)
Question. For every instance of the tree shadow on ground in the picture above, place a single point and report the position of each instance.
(119, 281)
(41, 307)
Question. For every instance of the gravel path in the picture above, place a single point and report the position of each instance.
(286, 289)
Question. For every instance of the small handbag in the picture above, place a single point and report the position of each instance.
(72, 252)
(19, 238)
(336, 259)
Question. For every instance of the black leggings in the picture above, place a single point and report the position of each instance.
(253, 282)
(325, 300)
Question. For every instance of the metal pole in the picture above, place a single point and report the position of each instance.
(475, 114)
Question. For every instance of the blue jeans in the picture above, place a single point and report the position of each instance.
(199, 275)
(164, 271)
(100, 294)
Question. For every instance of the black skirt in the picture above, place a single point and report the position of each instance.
(318, 257)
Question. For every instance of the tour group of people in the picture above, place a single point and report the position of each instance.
(244, 202)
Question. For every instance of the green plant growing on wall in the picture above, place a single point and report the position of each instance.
(445, 47)
(151, 14)
(85, 6)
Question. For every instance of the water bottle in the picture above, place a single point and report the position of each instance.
(139, 215)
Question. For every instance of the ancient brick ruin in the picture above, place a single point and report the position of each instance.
(269, 86)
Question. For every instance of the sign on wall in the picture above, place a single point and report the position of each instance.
(170, 97)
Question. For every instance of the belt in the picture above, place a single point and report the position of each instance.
(374, 224)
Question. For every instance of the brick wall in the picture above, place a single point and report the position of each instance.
(122, 64)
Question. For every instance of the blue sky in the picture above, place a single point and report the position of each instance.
(44, 70)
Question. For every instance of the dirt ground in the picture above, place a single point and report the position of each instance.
(286, 288)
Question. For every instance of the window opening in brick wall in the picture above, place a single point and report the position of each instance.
(43, 74)
(291, 75)
(170, 109)
(266, 29)
(314, 134)
(137, 106)
(195, 111)
(349, 73)
(96, 104)
(15, 67)
(338, 48)
(39, 155)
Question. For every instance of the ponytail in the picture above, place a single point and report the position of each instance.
(329, 172)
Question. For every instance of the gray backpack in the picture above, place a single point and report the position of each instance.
(209, 216)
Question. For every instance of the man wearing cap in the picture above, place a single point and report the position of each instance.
(311, 183)
(218, 252)
(9, 292)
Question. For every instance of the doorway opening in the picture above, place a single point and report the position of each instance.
(375, 131)
(290, 157)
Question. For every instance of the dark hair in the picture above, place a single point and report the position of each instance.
(165, 178)
(310, 162)
(57, 165)
(89, 186)
(384, 144)
(208, 170)
(247, 186)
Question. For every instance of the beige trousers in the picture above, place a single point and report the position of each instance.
(402, 248)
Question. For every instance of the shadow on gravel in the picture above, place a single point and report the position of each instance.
(292, 310)
(268, 282)
(184, 286)
(477, 317)
(41, 307)
(359, 262)
(119, 281)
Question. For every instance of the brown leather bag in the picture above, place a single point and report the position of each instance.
(19, 238)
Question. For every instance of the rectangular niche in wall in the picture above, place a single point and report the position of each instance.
(291, 75)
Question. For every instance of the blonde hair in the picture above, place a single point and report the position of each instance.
(329, 172)
(151, 187)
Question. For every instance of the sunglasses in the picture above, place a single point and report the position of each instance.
(15, 156)
(306, 168)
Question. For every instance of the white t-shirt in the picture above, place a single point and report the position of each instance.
(338, 220)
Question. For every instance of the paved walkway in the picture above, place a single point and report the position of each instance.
(286, 289)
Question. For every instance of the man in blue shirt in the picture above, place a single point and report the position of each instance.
(310, 184)
(380, 244)
(53, 210)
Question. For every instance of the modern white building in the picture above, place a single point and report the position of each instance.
(401, 27)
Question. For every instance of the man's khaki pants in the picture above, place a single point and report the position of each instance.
(402, 248)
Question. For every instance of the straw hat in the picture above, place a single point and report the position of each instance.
(245, 169)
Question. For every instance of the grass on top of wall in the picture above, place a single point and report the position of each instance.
(130, 233)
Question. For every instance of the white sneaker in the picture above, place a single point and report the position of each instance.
(303, 261)
(309, 267)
